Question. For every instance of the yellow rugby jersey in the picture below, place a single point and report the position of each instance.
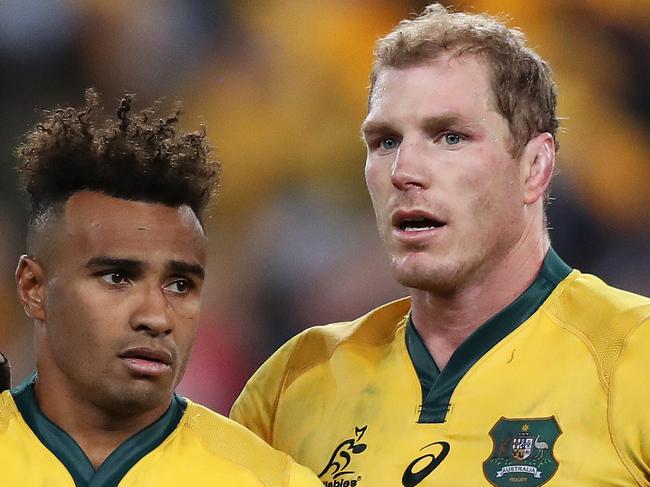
(188, 446)
(551, 390)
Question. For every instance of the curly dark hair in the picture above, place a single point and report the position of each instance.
(133, 156)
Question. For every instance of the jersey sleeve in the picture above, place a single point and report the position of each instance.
(629, 392)
(301, 476)
(256, 405)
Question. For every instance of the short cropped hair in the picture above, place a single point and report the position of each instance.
(522, 82)
(130, 156)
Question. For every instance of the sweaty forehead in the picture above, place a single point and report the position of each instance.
(97, 224)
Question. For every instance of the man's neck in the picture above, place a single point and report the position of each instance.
(97, 432)
(445, 321)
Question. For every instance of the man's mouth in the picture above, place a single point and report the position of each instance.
(149, 354)
(418, 224)
(147, 361)
(415, 221)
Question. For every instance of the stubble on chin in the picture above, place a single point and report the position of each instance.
(441, 278)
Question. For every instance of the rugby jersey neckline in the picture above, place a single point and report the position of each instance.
(438, 386)
(70, 454)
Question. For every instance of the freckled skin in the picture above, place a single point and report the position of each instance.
(88, 320)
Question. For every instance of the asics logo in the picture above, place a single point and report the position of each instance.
(422, 466)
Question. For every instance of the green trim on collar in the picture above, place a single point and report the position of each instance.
(425, 366)
(72, 456)
(437, 388)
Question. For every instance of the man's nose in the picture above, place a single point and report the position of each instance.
(409, 169)
(152, 313)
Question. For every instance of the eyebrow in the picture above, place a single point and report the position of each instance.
(138, 266)
(372, 127)
(179, 267)
(104, 261)
(435, 122)
(448, 120)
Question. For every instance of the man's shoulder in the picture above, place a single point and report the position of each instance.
(222, 437)
(603, 317)
(21, 451)
(17, 440)
(318, 344)
(586, 301)
(376, 328)
(220, 434)
(310, 350)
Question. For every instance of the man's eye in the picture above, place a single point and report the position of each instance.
(389, 143)
(453, 139)
(114, 278)
(181, 286)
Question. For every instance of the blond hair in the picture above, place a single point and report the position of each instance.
(522, 82)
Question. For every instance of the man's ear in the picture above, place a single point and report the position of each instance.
(538, 164)
(30, 284)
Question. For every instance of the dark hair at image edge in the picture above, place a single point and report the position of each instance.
(132, 156)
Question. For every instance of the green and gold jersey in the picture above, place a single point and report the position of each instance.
(553, 389)
(189, 445)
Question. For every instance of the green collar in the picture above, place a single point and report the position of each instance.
(438, 386)
(72, 456)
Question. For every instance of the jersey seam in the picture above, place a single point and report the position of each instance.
(644, 320)
(287, 472)
(281, 388)
(586, 342)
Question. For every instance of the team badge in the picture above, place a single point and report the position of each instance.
(522, 452)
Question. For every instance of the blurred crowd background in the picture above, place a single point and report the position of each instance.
(281, 86)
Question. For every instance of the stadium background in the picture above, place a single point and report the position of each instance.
(281, 85)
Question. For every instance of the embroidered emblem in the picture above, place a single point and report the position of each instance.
(522, 451)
